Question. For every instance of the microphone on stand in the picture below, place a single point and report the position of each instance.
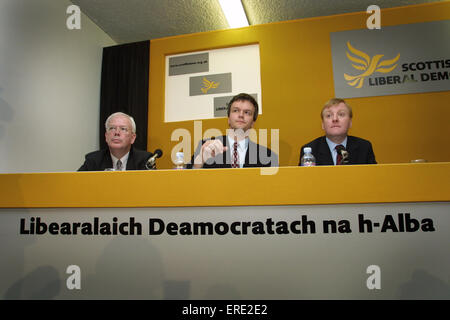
(151, 162)
(345, 159)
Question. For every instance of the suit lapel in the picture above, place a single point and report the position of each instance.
(130, 164)
(107, 160)
(251, 147)
(324, 155)
(352, 148)
(227, 154)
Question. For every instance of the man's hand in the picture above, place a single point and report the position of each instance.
(210, 149)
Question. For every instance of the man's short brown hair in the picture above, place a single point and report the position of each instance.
(336, 101)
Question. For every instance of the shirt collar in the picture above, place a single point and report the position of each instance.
(333, 145)
(242, 145)
(124, 159)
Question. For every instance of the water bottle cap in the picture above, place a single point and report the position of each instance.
(307, 150)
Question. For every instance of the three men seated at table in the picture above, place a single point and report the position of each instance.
(235, 149)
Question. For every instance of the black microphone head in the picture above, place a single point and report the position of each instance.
(158, 153)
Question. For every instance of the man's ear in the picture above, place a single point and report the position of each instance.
(133, 138)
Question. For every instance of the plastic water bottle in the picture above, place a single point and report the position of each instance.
(179, 161)
(308, 159)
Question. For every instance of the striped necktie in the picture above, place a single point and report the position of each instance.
(235, 163)
(119, 165)
(339, 155)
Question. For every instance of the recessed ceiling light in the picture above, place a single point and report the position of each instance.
(234, 12)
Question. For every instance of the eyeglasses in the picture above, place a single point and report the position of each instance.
(121, 129)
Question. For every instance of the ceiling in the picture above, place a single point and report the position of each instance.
(137, 20)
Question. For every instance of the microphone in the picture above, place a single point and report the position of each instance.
(344, 153)
(345, 159)
(151, 162)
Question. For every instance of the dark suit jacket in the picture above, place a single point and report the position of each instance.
(359, 151)
(101, 159)
(256, 156)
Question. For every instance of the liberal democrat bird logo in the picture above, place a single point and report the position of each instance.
(368, 65)
(208, 85)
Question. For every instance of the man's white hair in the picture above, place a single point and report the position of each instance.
(133, 124)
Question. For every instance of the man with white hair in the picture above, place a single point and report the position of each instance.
(120, 155)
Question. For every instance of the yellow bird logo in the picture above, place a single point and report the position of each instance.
(208, 85)
(368, 65)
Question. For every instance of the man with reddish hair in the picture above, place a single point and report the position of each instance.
(337, 147)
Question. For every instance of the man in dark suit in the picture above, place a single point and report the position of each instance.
(337, 147)
(235, 149)
(120, 135)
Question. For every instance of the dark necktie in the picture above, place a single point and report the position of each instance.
(339, 148)
(235, 163)
(119, 165)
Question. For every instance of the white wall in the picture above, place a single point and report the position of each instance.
(49, 86)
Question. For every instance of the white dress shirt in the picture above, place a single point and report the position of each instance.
(124, 161)
(332, 147)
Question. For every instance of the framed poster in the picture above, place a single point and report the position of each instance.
(199, 85)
